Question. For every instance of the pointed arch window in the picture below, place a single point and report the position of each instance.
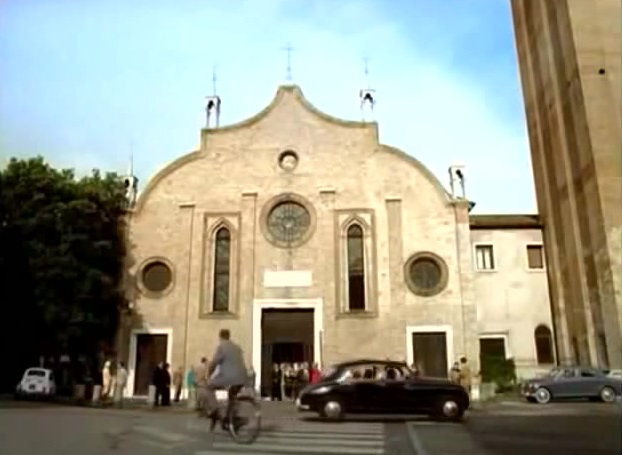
(544, 345)
(222, 270)
(356, 268)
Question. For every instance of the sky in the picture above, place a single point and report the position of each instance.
(85, 82)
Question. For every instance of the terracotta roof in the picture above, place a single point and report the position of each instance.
(505, 222)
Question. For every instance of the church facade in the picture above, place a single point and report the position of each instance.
(311, 241)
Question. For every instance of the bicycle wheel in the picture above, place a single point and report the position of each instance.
(245, 420)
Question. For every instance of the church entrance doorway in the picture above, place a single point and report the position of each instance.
(287, 337)
(151, 349)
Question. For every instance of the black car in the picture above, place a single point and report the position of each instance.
(382, 387)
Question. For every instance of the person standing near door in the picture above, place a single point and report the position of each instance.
(276, 383)
(166, 385)
(158, 383)
(465, 375)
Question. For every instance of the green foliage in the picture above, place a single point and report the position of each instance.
(498, 370)
(62, 251)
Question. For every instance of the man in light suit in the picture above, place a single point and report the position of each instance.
(227, 370)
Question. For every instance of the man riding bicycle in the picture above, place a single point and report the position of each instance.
(226, 370)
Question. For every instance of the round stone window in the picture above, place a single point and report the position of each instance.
(288, 221)
(157, 277)
(288, 160)
(426, 274)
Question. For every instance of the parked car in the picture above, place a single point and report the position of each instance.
(382, 387)
(36, 383)
(571, 383)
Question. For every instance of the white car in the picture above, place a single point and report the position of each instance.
(36, 382)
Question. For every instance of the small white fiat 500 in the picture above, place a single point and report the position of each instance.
(36, 382)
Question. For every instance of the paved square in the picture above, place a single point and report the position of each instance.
(502, 429)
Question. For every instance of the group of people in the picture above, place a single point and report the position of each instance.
(287, 380)
(114, 381)
(163, 381)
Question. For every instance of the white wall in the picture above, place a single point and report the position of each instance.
(512, 300)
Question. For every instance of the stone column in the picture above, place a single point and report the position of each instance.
(247, 271)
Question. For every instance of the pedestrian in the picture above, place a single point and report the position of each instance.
(178, 382)
(201, 379)
(166, 389)
(106, 390)
(277, 381)
(191, 387)
(465, 375)
(120, 384)
(454, 373)
(314, 374)
(158, 382)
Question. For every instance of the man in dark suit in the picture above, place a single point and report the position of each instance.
(227, 370)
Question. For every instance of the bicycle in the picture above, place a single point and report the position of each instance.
(232, 422)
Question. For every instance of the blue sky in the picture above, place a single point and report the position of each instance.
(83, 79)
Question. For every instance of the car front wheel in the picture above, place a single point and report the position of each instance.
(332, 409)
(449, 409)
(542, 395)
(608, 395)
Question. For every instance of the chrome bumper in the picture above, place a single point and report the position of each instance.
(300, 406)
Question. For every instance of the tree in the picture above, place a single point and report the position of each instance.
(62, 252)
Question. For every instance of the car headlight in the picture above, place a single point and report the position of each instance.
(320, 390)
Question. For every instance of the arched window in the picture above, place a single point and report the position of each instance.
(356, 268)
(544, 345)
(222, 256)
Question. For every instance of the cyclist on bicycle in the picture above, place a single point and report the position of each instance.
(227, 370)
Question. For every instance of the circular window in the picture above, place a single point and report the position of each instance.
(157, 277)
(288, 160)
(288, 221)
(426, 274)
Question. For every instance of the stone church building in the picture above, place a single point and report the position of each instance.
(312, 241)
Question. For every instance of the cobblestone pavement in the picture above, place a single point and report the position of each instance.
(499, 429)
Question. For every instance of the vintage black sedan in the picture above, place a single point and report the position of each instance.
(382, 387)
(572, 383)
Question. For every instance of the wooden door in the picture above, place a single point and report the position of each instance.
(430, 353)
(150, 350)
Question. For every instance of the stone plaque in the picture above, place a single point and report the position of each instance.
(287, 279)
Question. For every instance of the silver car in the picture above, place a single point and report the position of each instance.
(570, 383)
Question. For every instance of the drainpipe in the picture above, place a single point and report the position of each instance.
(458, 239)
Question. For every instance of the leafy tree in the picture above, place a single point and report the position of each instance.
(62, 251)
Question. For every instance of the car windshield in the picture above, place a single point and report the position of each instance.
(36, 373)
(330, 373)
